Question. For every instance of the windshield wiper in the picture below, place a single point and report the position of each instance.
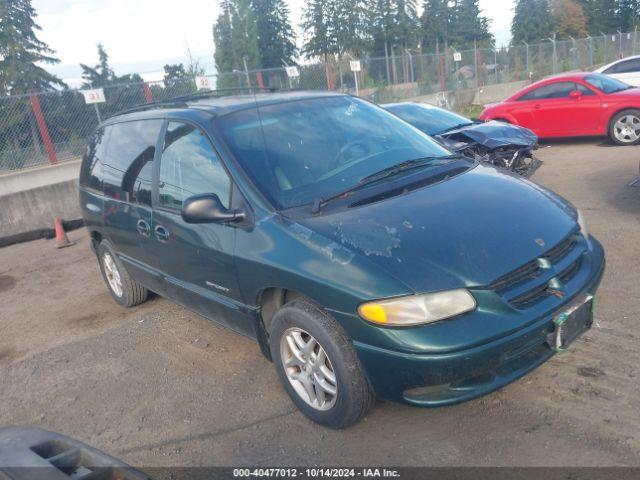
(382, 174)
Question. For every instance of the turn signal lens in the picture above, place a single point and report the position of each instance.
(418, 309)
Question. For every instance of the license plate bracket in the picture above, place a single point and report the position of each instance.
(571, 323)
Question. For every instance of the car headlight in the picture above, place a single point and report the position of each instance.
(583, 225)
(418, 309)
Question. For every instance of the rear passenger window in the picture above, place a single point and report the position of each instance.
(91, 170)
(129, 160)
(190, 166)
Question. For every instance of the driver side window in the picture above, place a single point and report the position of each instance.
(190, 166)
(553, 90)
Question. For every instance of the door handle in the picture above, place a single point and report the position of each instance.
(143, 228)
(537, 106)
(162, 233)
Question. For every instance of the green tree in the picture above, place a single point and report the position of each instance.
(435, 22)
(174, 74)
(531, 21)
(602, 15)
(275, 36)
(318, 41)
(628, 14)
(467, 24)
(21, 52)
(99, 75)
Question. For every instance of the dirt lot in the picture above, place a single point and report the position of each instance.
(159, 386)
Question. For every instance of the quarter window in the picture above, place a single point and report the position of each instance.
(91, 170)
(190, 166)
(129, 160)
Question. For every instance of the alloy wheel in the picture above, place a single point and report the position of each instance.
(627, 129)
(112, 274)
(308, 369)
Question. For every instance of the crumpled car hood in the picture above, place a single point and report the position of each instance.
(491, 135)
(466, 231)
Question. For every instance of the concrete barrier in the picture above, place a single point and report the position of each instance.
(32, 198)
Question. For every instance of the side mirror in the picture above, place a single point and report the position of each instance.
(575, 94)
(207, 208)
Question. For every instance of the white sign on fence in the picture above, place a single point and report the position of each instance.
(292, 72)
(204, 83)
(355, 65)
(457, 57)
(93, 96)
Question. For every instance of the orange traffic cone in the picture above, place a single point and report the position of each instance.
(61, 236)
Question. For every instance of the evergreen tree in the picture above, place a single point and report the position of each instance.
(602, 15)
(276, 40)
(99, 75)
(350, 26)
(21, 51)
(531, 21)
(468, 25)
(435, 21)
(318, 41)
(102, 75)
(225, 51)
(628, 14)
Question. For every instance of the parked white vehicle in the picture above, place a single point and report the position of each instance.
(626, 70)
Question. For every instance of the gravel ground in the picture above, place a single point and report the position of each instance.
(160, 386)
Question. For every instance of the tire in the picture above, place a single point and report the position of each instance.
(130, 293)
(627, 118)
(353, 397)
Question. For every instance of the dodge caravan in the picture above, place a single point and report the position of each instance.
(365, 258)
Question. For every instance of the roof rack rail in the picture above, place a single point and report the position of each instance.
(148, 106)
(222, 91)
(180, 102)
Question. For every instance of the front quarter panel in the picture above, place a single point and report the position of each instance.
(280, 253)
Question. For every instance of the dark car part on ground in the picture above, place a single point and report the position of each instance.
(506, 146)
(34, 454)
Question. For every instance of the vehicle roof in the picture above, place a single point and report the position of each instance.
(547, 80)
(218, 105)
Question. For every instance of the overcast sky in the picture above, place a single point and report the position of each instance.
(142, 35)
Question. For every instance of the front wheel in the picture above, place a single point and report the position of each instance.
(624, 128)
(318, 366)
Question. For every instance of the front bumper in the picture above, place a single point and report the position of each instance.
(432, 380)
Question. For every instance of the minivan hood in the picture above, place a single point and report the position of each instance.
(463, 232)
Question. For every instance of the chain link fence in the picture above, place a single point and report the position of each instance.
(52, 127)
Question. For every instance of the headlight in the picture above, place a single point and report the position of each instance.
(583, 225)
(418, 309)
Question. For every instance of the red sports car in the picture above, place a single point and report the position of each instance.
(573, 105)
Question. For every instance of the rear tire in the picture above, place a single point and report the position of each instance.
(299, 324)
(624, 128)
(124, 289)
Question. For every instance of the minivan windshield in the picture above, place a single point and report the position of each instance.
(431, 120)
(301, 151)
(606, 84)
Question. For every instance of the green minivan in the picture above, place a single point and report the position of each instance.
(365, 258)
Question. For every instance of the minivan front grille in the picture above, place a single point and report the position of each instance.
(532, 282)
(544, 290)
